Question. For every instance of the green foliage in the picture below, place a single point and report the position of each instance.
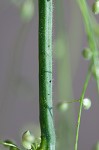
(96, 147)
(27, 10)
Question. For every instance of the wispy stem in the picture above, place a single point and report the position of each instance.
(45, 75)
(90, 32)
(81, 104)
(93, 46)
(88, 24)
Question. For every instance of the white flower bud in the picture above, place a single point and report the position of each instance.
(27, 145)
(27, 140)
(28, 137)
(95, 7)
(86, 103)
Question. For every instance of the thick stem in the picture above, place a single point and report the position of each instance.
(45, 75)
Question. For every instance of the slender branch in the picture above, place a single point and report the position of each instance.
(81, 104)
(45, 75)
(88, 24)
(93, 46)
(90, 33)
(8, 144)
(73, 101)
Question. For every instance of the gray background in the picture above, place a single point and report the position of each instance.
(19, 74)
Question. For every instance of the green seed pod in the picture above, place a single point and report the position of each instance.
(27, 10)
(87, 53)
(27, 137)
(86, 103)
(62, 106)
(95, 7)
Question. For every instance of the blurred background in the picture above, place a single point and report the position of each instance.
(19, 107)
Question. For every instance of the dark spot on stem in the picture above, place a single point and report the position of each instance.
(50, 81)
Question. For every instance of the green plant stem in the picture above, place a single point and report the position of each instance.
(81, 104)
(90, 33)
(77, 100)
(93, 46)
(8, 144)
(88, 24)
(45, 75)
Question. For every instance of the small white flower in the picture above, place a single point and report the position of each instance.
(27, 140)
(27, 145)
(27, 136)
(95, 7)
(86, 103)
